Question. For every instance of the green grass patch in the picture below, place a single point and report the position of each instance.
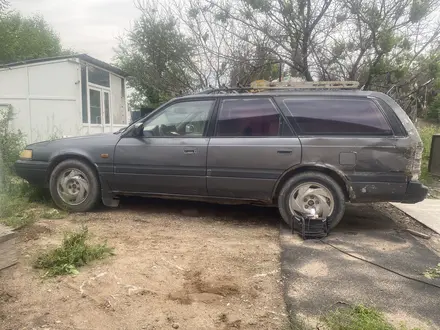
(433, 272)
(358, 318)
(21, 204)
(16, 211)
(74, 252)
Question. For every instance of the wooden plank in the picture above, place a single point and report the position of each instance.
(8, 249)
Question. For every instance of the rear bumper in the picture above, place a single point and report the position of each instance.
(404, 192)
(35, 172)
(415, 192)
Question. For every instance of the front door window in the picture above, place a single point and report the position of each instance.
(187, 119)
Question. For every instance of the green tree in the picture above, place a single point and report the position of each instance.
(4, 4)
(159, 59)
(24, 38)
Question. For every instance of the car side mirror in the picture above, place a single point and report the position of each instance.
(189, 129)
(138, 129)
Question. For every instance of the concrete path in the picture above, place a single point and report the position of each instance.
(317, 277)
(426, 212)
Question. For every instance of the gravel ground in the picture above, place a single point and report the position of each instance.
(319, 276)
(178, 265)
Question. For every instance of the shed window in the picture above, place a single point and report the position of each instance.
(85, 114)
(99, 77)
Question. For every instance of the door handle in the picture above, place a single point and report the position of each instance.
(189, 151)
(284, 151)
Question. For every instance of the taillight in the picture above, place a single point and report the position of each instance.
(417, 162)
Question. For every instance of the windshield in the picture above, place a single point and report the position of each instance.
(124, 129)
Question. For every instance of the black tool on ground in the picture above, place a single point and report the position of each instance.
(310, 227)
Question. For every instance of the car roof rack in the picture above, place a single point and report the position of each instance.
(264, 85)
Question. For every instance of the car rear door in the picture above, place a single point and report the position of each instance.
(170, 156)
(251, 146)
(354, 136)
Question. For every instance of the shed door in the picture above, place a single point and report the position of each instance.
(100, 108)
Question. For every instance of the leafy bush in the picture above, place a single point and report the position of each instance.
(11, 143)
(73, 253)
(434, 109)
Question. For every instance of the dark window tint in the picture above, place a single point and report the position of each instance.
(394, 121)
(337, 117)
(248, 117)
(99, 77)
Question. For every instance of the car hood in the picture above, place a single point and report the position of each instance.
(77, 140)
(89, 146)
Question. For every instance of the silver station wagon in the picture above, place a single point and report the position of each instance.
(305, 151)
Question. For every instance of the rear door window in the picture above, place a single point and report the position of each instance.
(253, 117)
(331, 116)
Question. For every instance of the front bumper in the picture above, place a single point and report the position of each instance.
(415, 192)
(35, 172)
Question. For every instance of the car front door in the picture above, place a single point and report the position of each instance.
(170, 155)
(251, 147)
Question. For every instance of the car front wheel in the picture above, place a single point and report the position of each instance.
(312, 193)
(74, 186)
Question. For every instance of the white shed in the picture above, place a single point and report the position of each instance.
(64, 96)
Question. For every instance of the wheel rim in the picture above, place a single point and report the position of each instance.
(73, 186)
(311, 198)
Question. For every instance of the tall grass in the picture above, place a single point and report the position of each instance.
(20, 203)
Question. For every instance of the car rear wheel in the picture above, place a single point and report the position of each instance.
(74, 186)
(312, 193)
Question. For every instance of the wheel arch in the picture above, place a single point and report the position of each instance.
(332, 172)
(70, 155)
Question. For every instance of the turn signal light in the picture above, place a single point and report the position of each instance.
(26, 154)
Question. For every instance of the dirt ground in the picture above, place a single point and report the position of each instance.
(177, 265)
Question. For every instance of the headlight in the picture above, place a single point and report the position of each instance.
(26, 154)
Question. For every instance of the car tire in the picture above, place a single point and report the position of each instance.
(74, 186)
(323, 180)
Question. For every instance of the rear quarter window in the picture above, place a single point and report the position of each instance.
(331, 116)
